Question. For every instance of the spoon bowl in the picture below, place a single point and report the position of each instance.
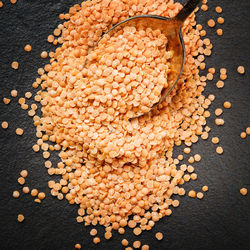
(171, 28)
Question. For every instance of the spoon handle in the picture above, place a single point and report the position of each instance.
(188, 8)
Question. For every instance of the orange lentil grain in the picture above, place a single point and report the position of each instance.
(145, 247)
(219, 32)
(220, 20)
(248, 130)
(215, 140)
(241, 70)
(192, 193)
(137, 231)
(78, 246)
(19, 131)
(219, 150)
(34, 192)
(26, 190)
(227, 105)
(243, 191)
(218, 112)
(219, 122)
(1, 4)
(6, 100)
(218, 9)
(15, 65)
(243, 135)
(21, 180)
(159, 236)
(205, 188)
(13, 93)
(41, 195)
(5, 125)
(108, 235)
(136, 244)
(204, 7)
(16, 194)
(200, 195)
(220, 84)
(24, 173)
(211, 23)
(124, 242)
(93, 232)
(44, 54)
(51, 38)
(20, 218)
(27, 48)
(96, 240)
(57, 32)
(28, 95)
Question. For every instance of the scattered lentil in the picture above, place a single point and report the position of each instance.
(124, 242)
(27, 48)
(14, 65)
(159, 236)
(243, 135)
(5, 125)
(136, 244)
(227, 105)
(41, 195)
(220, 84)
(215, 140)
(211, 23)
(16, 194)
(26, 190)
(24, 173)
(44, 54)
(6, 100)
(93, 232)
(192, 193)
(78, 246)
(220, 20)
(248, 130)
(205, 188)
(20, 218)
(241, 70)
(13, 93)
(219, 32)
(34, 192)
(21, 180)
(218, 112)
(218, 9)
(19, 131)
(219, 122)
(145, 247)
(96, 240)
(243, 191)
(219, 150)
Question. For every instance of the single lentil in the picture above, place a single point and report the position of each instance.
(15, 65)
(243, 191)
(219, 150)
(27, 48)
(5, 125)
(16, 194)
(241, 70)
(20, 218)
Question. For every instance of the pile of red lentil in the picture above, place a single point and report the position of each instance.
(120, 171)
(113, 167)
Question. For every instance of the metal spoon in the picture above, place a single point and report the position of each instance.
(171, 28)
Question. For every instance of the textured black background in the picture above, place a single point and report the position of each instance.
(220, 221)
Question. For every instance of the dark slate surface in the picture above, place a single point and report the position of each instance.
(220, 221)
